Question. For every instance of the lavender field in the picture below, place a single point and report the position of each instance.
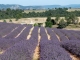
(25, 42)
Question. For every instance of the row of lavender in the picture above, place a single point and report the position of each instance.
(56, 49)
(6, 28)
(10, 40)
(51, 49)
(20, 48)
(70, 40)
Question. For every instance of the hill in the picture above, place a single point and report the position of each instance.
(16, 6)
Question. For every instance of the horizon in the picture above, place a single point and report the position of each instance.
(40, 2)
(39, 5)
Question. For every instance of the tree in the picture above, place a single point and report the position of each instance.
(68, 20)
(35, 24)
(62, 24)
(48, 18)
(48, 22)
(71, 19)
(53, 22)
(76, 20)
(10, 20)
(4, 21)
(18, 16)
(57, 19)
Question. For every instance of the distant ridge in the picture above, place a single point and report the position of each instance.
(15, 6)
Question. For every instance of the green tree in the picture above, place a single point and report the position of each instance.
(35, 24)
(4, 21)
(68, 20)
(48, 22)
(10, 20)
(57, 19)
(76, 20)
(71, 19)
(62, 24)
(18, 16)
(53, 22)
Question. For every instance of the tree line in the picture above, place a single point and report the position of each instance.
(62, 23)
(70, 17)
(18, 13)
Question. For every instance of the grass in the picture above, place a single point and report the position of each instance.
(73, 26)
(43, 10)
(70, 10)
(27, 11)
(70, 27)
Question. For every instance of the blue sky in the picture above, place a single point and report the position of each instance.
(40, 2)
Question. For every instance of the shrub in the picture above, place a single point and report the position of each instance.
(57, 19)
(62, 24)
(10, 20)
(4, 21)
(48, 22)
(35, 24)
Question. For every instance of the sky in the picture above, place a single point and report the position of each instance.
(40, 2)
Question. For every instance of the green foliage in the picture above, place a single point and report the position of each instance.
(10, 20)
(57, 19)
(4, 21)
(62, 24)
(16, 19)
(71, 19)
(39, 24)
(76, 20)
(48, 22)
(11, 13)
(53, 22)
(18, 13)
(48, 18)
(35, 24)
